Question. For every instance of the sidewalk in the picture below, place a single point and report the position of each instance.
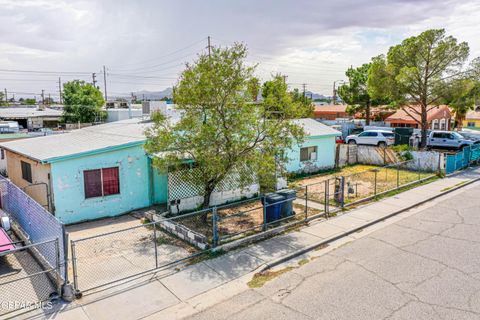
(171, 294)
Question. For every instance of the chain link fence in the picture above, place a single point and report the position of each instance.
(33, 221)
(120, 255)
(112, 257)
(29, 280)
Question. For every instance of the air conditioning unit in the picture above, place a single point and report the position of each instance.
(5, 223)
(313, 156)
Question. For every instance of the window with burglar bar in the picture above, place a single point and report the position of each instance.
(26, 171)
(101, 182)
(308, 154)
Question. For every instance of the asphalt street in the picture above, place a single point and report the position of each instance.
(426, 266)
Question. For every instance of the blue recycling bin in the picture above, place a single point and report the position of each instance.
(273, 207)
(287, 206)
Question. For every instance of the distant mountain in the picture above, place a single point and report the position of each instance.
(154, 95)
(315, 96)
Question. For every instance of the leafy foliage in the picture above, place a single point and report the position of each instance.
(355, 93)
(417, 72)
(2, 99)
(221, 129)
(83, 102)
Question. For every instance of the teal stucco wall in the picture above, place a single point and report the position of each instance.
(160, 187)
(325, 155)
(68, 185)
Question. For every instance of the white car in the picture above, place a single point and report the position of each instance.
(381, 138)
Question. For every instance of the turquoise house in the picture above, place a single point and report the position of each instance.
(318, 150)
(94, 172)
(103, 171)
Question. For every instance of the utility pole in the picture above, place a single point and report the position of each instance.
(49, 99)
(209, 46)
(94, 81)
(60, 89)
(43, 96)
(105, 82)
(284, 79)
(304, 85)
(334, 96)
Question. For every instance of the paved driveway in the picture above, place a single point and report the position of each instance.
(426, 266)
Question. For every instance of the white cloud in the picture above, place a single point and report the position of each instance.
(312, 41)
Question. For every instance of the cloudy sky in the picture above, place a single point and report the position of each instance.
(144, 43)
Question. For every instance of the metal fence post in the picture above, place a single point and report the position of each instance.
(375, 183)
(155, 244)
(398, 175)
(74, 267)
(215, 227)
(342, 190)
(306, 202)
(327, 184)
(264, 213)
(59, 278)
(418, 168)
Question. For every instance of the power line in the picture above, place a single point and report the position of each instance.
(166, 55)
(42, 72)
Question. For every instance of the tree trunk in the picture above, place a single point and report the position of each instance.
(206, 200)
(459, 121)
(424, 127)
(367, 114)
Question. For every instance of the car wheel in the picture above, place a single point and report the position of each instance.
(351, 141)
(382, 144)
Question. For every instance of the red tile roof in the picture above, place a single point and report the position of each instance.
(331, 109)
(435, 112)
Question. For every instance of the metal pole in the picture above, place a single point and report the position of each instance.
(155, 245)
(59, 279)
(65, 252)
(418, 168)
(264, 213)
(215, 228)
(327, 184)
(375, 183)
(306, 202)
(398, 175)
(74, 266)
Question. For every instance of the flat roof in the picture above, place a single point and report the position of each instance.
(15, 113)
(89, 140)
(314, 128)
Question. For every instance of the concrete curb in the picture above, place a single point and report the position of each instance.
(276, 262)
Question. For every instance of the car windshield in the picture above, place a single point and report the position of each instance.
(457, 135)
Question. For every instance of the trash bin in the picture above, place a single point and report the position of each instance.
(274, 209)
(287, 206)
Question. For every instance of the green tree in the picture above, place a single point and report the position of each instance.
(29, 101)
(2, 99)
(355, 92)
(83, 102)
(221, 129)
(276, 99)
(416, 72)
(253, 88)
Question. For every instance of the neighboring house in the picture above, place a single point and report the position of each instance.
(103, 170)
(5, 137)
(438, 117)
(32, 118)
(331, 112)
(472, 118)
(317, 152)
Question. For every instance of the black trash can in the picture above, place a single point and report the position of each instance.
(287, 206)
(274, 208)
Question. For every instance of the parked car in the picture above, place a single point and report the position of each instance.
(381, 138)
(448, 140)
(339, 139)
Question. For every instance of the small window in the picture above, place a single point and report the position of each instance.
(308, 154)
(471, 124)
(26, 171)
(101, 182)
